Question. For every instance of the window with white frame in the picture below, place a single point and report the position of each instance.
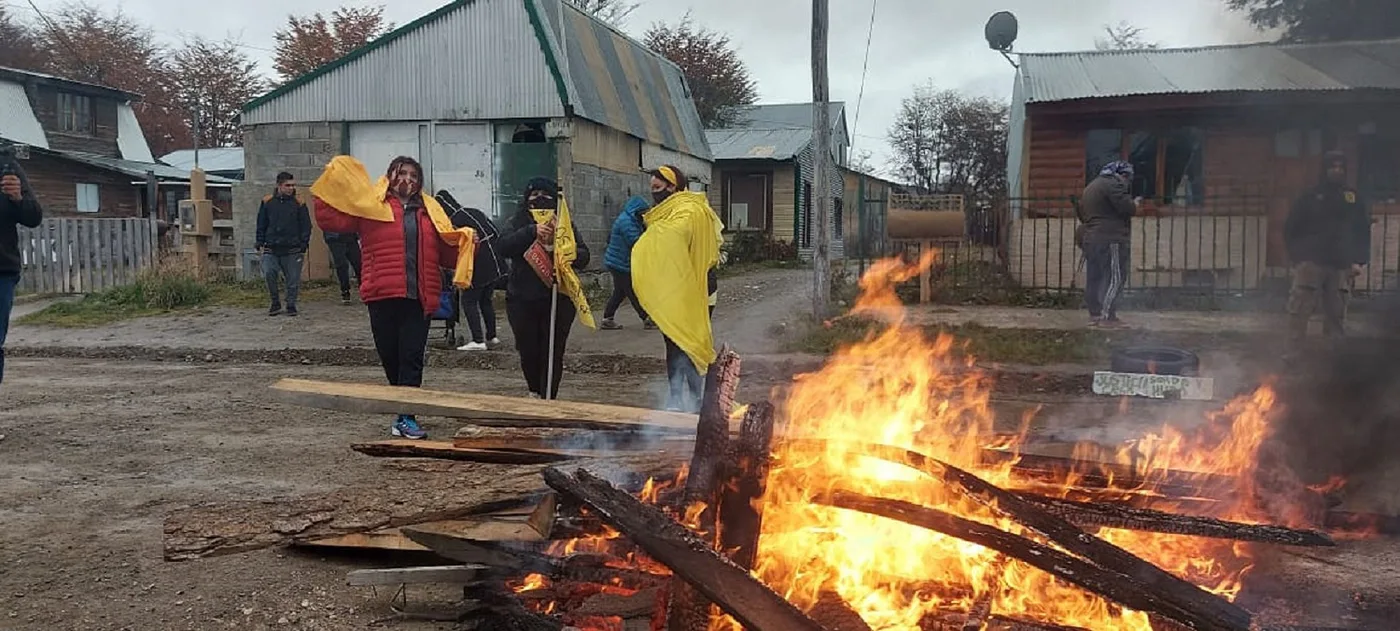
(87, 198)
(74, 113)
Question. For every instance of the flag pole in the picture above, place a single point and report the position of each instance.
(553, 326)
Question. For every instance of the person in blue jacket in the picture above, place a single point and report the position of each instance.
(626, 229)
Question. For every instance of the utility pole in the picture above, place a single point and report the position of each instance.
(822, 163)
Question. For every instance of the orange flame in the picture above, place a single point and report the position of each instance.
(898, 387)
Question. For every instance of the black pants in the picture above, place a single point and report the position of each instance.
(685, 384)
(478, 309)
(1105, 272)
(401, 337)
(622, 289)
(345, 254)
(529, 320)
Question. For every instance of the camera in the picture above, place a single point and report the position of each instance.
(9, 153)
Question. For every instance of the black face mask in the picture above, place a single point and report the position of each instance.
(543, 203)
(660, 196)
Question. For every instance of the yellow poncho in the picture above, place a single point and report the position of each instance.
(669, 266)
(345, 186)
(565, 253)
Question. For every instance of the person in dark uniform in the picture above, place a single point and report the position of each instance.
(1328, 238)
(283, 234)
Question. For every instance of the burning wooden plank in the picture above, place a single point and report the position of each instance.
(481, 409)
(721, 581)
(1217, 613)
(746, 477)
(1124, 589)
(1127, 518)
(689, 610)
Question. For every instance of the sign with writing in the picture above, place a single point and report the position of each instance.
(1126, 384)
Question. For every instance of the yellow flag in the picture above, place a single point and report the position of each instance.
(565, 253)
(344, 185)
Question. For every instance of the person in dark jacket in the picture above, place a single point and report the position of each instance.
(18, 207)
(528, 295)
(1105, 232)
(284, 233)
(402, 285)
(1328, 239)
(626, 229)
(345, 256)
(488, 270)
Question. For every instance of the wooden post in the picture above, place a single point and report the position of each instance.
(747, 478)
(690, 610)
(821, 164)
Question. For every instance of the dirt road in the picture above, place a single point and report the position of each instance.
(754, 312)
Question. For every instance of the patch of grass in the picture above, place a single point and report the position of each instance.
(166, 289)
(1019, 346)
(970, 282)
(732, 270)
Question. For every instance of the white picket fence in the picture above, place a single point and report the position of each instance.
(80, 255)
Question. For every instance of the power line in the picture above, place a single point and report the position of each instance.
(865, 69)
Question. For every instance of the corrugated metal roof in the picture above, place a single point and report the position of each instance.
(1267, 67)
(468, 60)
(134, 168)
(17, 120)
(131, 141)
(498, 59)
(758, 144)
(769, 132)
(212, 159)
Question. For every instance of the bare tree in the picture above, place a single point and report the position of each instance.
(947, 142)
(1124, 36)
(863, 161)
(719, 81)
(614, 12)
(311, 41)
(19, 46)
(215, 79)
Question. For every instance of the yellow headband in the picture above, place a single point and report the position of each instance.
(668, 174)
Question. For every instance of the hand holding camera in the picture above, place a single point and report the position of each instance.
(10, 187)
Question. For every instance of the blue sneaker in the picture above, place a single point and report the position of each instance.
(407, 427)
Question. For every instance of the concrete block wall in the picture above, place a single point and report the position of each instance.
(302, 149)
(596, 197)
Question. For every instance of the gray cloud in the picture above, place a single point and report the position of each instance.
(914, 40)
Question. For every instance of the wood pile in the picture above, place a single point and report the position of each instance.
(584, 523)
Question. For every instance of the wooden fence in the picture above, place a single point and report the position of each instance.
(79, 255)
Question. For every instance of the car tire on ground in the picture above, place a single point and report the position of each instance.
(1155, 360)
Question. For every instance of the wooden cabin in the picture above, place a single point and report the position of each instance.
(1223, 140)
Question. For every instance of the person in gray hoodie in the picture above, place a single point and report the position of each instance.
(1104, 234)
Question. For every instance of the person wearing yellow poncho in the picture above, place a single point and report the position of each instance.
(545, 253)
(406, 241)
(670, 274)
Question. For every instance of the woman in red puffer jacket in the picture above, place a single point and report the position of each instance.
(402, 265)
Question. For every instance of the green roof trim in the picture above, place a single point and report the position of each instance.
(381, 41)
(542, 34)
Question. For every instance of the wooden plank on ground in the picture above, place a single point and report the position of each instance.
(482, 409)
(490, 528)
(404, 448)
(455, 574)
(391, 500)
(529, 438)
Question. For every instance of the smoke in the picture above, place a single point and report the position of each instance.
(1341, 415)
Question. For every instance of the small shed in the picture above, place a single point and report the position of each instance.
(486, 94)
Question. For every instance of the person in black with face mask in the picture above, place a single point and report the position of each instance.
(530, 288)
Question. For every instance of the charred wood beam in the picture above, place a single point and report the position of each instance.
(1117, 587)
(693, 559)
(1128, 518)
(689, 610)
(512, 562)
(746, 478)
(1107, 475)
(836, 614)
(1182, 595)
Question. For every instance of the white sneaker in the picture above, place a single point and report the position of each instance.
(472, 346)
(495, 341)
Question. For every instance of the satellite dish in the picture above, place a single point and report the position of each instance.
(1001, 31)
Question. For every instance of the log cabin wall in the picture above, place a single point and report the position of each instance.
(1255, 159)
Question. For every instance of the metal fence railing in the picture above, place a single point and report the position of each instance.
(1225, 252)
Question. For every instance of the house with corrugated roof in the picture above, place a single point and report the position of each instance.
(86, 153)
(486, 94)
(1223, 139)
(764, 168)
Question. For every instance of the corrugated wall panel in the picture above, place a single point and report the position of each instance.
(480, 61)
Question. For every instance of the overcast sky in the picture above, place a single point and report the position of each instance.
(913, 40)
